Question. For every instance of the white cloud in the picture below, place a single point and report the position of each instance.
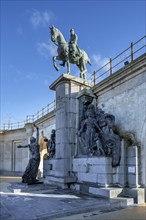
(97, 62)
(19, 72)
(29, 76)
(46, 50)
(38, 18)
(100, 61)
(45, 82)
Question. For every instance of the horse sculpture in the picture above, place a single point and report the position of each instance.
(68, 53)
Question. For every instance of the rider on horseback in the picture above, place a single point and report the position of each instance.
(73, 47)
(74, 50)
(69, 53)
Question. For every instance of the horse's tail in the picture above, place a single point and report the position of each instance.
(85, 57)
(89, 62)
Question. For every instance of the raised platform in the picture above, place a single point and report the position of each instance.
(55, 173)
(96, 170)
(67, 77)
(134, 195)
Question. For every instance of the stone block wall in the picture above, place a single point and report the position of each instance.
(13, 159)
(123, 94)
(96, 170)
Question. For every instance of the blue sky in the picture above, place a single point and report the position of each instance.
(104, 29)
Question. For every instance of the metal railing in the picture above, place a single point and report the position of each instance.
(127, 56)
(30, 118)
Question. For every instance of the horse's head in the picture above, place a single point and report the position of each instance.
(54, 33)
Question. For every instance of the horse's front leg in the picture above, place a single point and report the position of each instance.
(83, 70)
(54, 63)
(68, 67)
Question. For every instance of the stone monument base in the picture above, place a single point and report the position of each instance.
(133, 195)
(55, 173)
(95, 175)
(94, 170)
(59, 169)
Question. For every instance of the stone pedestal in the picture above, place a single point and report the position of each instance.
(119, 173)
(67, 88)
(133, 167)
(93, 170)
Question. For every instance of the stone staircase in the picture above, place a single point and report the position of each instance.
(126, 196)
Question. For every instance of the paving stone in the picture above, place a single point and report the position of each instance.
(47, 202)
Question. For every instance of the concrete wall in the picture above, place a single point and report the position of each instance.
(96, 170)
(124, 95)
(13, 159)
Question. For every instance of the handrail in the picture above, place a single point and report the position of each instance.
(30, 118)
(112, 66)
(140, 39)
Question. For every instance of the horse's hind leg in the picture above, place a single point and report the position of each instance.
(83, 75)
(54, 63)
(62, 64)
(68, 67)
(83, 70)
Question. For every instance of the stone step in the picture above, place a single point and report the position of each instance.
(124, 202)
(112, 193)
(106, 192)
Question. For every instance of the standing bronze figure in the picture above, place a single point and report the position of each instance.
(31, 170)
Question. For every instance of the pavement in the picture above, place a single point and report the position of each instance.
(20, 201)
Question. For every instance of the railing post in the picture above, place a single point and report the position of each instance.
(94, 80)
(38, 115)
(3, 126)
(48, 106)
(132, 52)
(9, 125)
(27, 118)
(110, 66)
(54, 104)
(42, 111)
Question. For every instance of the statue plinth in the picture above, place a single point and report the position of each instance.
(69, 78)
(67, 88)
